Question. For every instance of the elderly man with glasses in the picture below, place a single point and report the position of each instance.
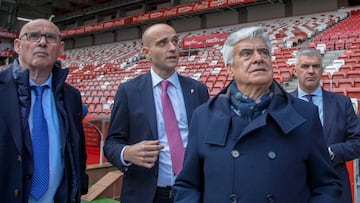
(42, 143)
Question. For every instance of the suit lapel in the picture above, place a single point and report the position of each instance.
(188, 93)
(145, 89)
(326, 113)
(10, 111)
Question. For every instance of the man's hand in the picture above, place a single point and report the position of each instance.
(144, 153)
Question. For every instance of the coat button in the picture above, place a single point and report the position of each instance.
(272, 155)
(233, 198)
(16, 193)
(19, 159)
(270, 198)
(235, 153)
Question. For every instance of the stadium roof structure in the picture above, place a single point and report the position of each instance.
(66, 12)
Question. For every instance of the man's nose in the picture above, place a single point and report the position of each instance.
(173, 46)
(257, 56)
(42, 40)
(311, 69)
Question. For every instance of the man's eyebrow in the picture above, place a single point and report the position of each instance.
(161, 40)
(307, 64)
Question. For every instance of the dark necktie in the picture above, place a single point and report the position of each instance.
(172, 130)
(309, 97)
(40, 146)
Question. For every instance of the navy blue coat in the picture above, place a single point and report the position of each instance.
(342, 134)
(133, 119)
(15, 143)
(280, 156)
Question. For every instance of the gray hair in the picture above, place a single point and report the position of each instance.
(311, 52)
(241, 34)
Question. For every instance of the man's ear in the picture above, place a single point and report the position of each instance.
(145, 51)
(294, 72)
(17, 46)
(61, 48)
(229, 69)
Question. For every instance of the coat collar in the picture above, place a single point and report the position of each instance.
(10, 89)
(279, 110)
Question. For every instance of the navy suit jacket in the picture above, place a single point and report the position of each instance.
(280, 156)
(15, 143)
(342, 134)
(133, 119)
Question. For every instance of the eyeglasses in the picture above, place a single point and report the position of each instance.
(36, 37)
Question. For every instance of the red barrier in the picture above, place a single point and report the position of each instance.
(7, 34)
(154, 15)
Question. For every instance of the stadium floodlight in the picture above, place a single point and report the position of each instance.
(23, 19)
(51, 17)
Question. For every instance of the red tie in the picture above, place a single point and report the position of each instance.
(172, 129)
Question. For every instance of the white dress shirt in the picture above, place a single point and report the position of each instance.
(166, 175)
(317, 100)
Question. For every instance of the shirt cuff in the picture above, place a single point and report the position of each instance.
(126, 163)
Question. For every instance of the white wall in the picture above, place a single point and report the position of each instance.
(221, 19)
(127, 34)
(104, 38)
(302, 7)
(267, 11)
(182, 25)
(83, 41)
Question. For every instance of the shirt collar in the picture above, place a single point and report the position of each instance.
(156, 79)
(317, 92)
(47, 83)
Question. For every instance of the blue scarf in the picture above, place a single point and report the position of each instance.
(246, 107)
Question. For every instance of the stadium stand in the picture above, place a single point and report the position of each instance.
(98, 68)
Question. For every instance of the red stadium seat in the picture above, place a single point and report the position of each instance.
(345, 83)
(353, 92)
(339, 90)
(338, 75)
(353, 74)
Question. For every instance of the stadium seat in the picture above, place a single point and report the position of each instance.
(327, 84)
(339, 90)
(353, 74)
(338, 75)
(345, 68)
(345, 83)
(326, 76)
(357, 82)
(353, 92)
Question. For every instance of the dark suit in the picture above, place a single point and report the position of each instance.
(342, 134)
(15, 142)
(278, 157)
(133, 119)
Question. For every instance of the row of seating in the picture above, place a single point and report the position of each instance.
(98, 77)
(341, 36)
(340, 83)
(99, 80)
(280, 31)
